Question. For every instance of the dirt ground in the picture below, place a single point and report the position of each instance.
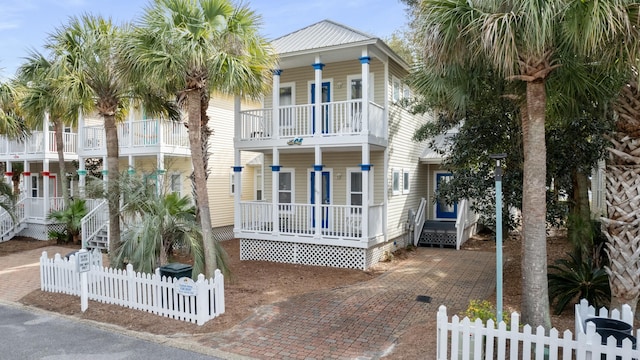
(257, 283)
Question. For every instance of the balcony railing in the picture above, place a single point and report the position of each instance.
(137, 134)
(337, 221)
(34, 144)
(337, 118)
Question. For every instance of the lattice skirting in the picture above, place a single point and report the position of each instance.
(40, 231)
(314, 254)
(223, 233)
(438, 237)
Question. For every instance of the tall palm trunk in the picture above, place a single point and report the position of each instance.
(623, 194)
(535, 309)
(62, 171)
(113, 181)
(200, 182)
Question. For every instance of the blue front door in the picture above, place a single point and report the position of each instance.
(443, 210)
(326, 97)
(325, 194)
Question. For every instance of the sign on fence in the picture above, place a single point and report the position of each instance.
(83, 261)
(186, 286)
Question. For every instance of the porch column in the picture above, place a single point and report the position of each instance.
(275, 199)
(237, 120)
(26, 173)
(237, 187)
(276, 104)
(317, 168)
(364, 61)
(45, 185)
(82, 176)
(8, 172)
(81, 135)
(317, 131)
(160, 174)
(131, 169)
(366, 202)
(45, 133)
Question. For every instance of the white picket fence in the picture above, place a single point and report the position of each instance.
(459, 339)
(148, 292)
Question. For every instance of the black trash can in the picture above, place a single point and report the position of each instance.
(620, 330)
(176, 270)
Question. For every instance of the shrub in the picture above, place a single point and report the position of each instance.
(483, 310)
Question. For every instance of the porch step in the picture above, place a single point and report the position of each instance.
(438, 233)
(99, 241)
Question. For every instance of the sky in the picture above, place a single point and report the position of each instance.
(25, 24)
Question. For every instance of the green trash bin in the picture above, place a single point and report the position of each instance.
(176, 270)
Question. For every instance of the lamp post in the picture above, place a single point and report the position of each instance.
(498, 175)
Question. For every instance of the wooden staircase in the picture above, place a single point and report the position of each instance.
(10, 226)
(95, 228)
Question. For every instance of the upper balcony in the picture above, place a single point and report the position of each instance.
(342, 121)
(141, 137)
(39, 145)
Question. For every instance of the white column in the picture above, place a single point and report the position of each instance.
(8, 172)
(364, 61)
(26, 173)
(81, 135)
(366, 196)
(131, 167)
(45, 184)
(237, 119)
(45, 133)
(275, 180)
(317, 168)
(237, 186)
(82, 176)
(276, 104)
(160, 174)
(318, 97)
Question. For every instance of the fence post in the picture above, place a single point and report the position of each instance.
(202, 301)
(157, 301)
(131, 287)
(44, 279)
(218, 285)
(441, 333)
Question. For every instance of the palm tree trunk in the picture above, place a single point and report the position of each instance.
(535, 299)
(62, 171)
(623, 219)
(113, 181)
(200, 182)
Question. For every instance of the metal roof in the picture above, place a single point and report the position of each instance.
(323, 34)
(440, 142)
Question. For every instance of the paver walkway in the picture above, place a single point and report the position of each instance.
(362, 321)
(365, 320)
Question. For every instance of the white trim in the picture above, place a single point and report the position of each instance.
(291, 171)
(232, 183)
(435, 197)
(395, 97)
(292, 85)
(330, 171)
(350, 171)
(173, 176)
(312, 82)
(258, 182)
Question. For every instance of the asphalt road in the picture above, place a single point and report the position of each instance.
(37, 335)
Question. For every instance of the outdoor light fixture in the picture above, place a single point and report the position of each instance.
(498, 175)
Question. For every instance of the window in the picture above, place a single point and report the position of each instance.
(287, 98)
(286, 186)
(355, 188)
(396, 89)
(175, 184)
(259, 185)
(232, 183)
(405, 181)
(395, 182)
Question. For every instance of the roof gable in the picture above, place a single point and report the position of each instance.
(325, 33)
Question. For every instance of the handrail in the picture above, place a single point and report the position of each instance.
(92, 223)
(9, 223)
(461, 222)
(419, 221)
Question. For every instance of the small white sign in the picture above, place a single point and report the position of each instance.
(186, 286)
(83, 261)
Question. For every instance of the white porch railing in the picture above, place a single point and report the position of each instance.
(148, 292)
(338, 118)
(34, 144)
(10, 225)
(136, 134)
(338, 221)
(463, 339)
(36, 209)
(94, 222)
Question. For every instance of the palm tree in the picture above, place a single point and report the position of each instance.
(154, 225)
(526, 40)
(90, 73)
(41, 96)
(622, 191)
(192, 48)
(11, 120)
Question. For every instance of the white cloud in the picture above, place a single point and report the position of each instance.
(12, 14)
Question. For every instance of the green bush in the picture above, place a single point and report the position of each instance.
(483, 310)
